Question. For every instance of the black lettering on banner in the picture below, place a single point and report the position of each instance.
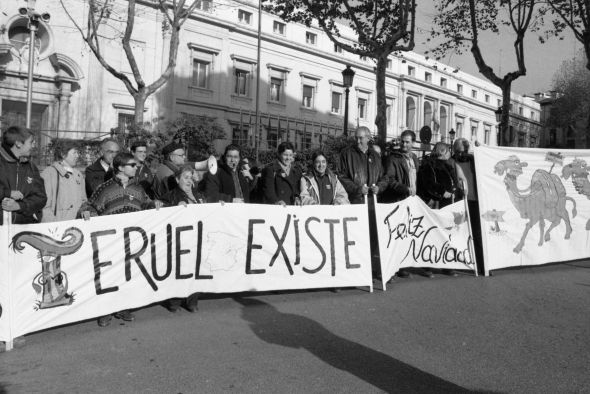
(280, 243)
(332, 222)
(297, 242)
(169, 242)
(315, 241)
(348, 243)
(386, 221)
(155, 273)
(180, 252)
(251, 246)
(135, 256)
(99, 264)
(199, 246)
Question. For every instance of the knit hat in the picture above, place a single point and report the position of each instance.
(171, 147)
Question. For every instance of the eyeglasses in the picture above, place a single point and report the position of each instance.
(130, 164)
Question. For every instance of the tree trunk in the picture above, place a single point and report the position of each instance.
(140, 99)
(381, 118)
(505, 138)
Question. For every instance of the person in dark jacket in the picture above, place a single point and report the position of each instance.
(232, 182)
(102, 169)
(437, 180)
(281, 179)
(144, 176)
(401, 168)
(184, 193)
(21, 187)
(359, 169)
(164, 180)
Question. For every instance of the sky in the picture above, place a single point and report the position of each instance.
(541, 60)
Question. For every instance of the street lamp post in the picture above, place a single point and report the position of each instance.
(347, 78)
(498, 113)
(34, 17)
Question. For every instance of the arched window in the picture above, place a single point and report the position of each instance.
(410, 113)
(443, 123)
(427, 114)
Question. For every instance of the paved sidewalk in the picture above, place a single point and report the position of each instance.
(519, 331)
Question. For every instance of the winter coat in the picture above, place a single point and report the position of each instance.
(220, 187)
(65, 193)
(353, 168)
(177, 195)
(144, 178)
(24, 177)
(310, 194)
(164, 179)
(95, 175)
(112, 198)
(397, 176)
(277, 186)
(436, 177)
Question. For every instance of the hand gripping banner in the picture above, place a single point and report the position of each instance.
(58, 273)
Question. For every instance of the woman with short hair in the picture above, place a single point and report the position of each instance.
(320, 186)
(281, 178)
(64, 184)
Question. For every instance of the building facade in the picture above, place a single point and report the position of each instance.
(301, 93)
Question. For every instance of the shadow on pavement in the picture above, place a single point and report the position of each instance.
(373, 367)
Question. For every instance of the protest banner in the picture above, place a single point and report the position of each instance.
(413, 235)
(544, 192)
(57, 273)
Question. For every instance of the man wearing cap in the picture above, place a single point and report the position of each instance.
(164, 181)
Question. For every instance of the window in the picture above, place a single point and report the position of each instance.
(276, 89)
(278, 28)
(459, 128)
(473, 93)
(520, 111)
(125, 121)
(428, 115)
(245, 17)
(336, 102)
(388, 112)
(204, 5)
(201, 73)
(444, 121)
(411, 71)
(389, 64)
(241, 82)
(240, 136)
(337, 48)
(487, 98)
(499, 102)
(428, 77)
(443, 82)
(459, 88)
(532, 115)
(410, 113)
(278, 81)
(362, 108)
(474, 127)
(308, 95)
(310, 38)
(487, 133)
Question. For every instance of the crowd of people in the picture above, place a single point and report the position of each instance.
(121, 181)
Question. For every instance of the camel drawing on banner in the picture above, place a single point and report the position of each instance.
(544, 199)
(579, 172)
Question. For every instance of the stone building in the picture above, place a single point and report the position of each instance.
(301, 97)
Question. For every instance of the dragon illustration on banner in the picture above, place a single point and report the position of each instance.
(544, 199)
(578, 171)
(51, 281)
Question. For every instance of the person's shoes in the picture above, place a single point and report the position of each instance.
(173, 305)
(104, 321)
(17, 342)
(428, 274)
(403, 274)
(125, 315)
(192, 303)
(336, 290)
(452, 273)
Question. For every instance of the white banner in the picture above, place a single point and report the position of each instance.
(533, 204)
(57, 273)
(413, 235)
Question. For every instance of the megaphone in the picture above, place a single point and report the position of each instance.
(207, 165)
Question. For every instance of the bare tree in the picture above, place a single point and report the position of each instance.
(100, 12)
(460, 22)
(382, 27)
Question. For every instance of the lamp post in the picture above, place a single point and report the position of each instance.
(498, 113)
(34, 17)
(347, 78)
(452, 136)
